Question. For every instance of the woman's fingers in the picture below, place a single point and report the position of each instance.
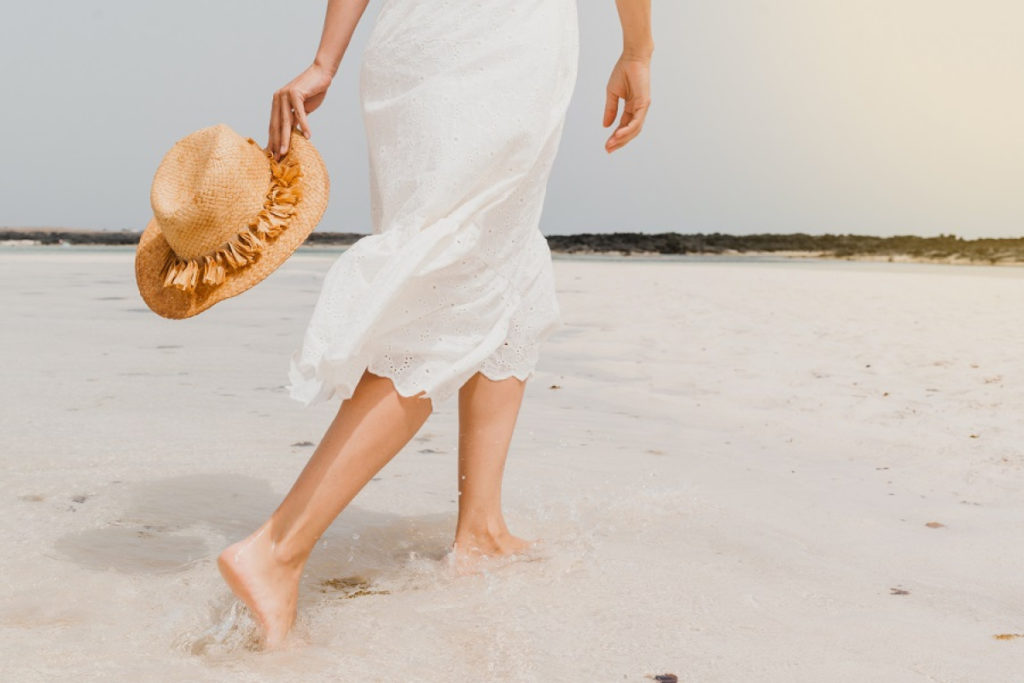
(630, 126)
(624, 121)
(300, 112)
(284, 124)
(625, 131)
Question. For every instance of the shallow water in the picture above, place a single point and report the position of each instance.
(729, 466)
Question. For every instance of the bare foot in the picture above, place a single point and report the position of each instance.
(268, 586)
(470, 549)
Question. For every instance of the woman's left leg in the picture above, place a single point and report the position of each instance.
(487, 417)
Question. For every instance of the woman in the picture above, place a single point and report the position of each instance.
(463, 105)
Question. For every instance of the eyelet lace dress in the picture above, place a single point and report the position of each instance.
(463, 104)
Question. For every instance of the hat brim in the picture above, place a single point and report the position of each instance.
(153, 249)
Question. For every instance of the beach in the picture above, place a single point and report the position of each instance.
(740, 469)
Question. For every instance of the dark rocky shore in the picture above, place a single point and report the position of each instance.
(941, 248)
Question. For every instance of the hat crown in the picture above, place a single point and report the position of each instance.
(209, 186)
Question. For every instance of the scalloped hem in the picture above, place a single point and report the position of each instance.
(313, 390)
(411, 392)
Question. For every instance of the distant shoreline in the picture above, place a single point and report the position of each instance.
(948, 249)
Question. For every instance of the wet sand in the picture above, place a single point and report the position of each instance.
(776, 471)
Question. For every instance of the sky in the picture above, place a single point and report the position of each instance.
(874, 117)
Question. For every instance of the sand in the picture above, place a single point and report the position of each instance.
(808, 470)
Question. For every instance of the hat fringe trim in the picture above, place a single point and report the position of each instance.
(245, 247)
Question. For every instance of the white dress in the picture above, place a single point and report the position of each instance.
(463, 103)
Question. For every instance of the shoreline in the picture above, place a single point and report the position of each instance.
(10, 246)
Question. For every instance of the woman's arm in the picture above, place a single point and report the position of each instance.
(630, 79)
(307, 90)
(339, 24)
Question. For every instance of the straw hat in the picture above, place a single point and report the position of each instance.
(225, 215)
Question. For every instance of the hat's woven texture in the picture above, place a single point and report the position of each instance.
(225, 215)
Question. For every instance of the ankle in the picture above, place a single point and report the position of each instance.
(284, 550)
(491, 528)
(288, 557)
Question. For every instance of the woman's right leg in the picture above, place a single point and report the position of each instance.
(370, 428)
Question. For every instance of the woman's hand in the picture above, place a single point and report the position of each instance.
(630, 81)
(292, 103)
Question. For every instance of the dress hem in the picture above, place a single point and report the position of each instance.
(322, 392)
